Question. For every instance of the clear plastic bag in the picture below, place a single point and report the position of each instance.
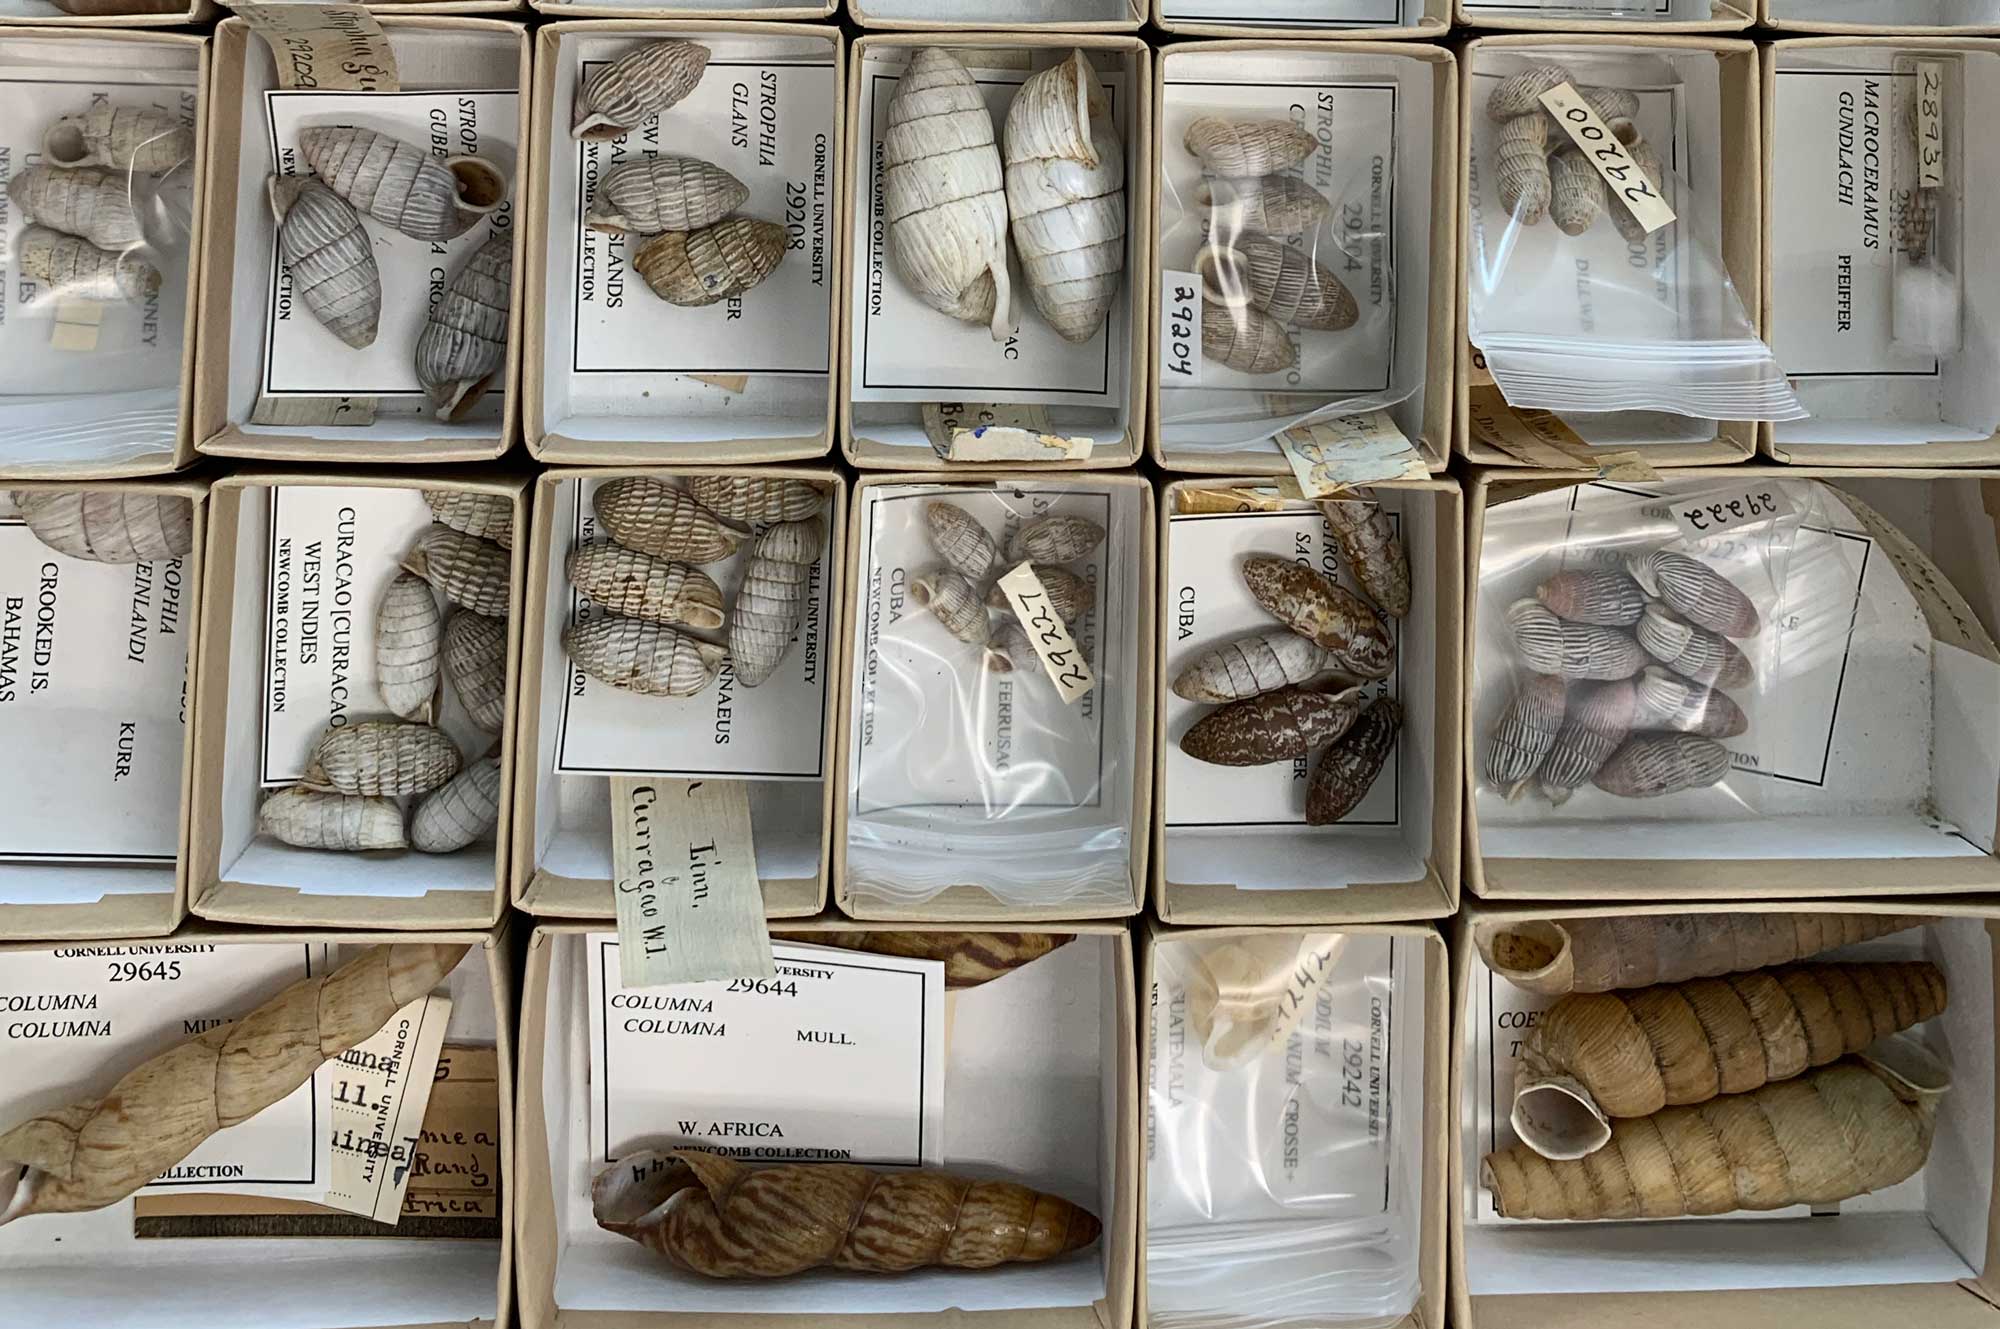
(1279, 1188)
(1927, 201)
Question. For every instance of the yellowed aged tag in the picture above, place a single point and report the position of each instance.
(1613, 160)
(1230, 499)
(1477, 375)
(1930, 124)
(77, 325)
(1061, 657)
(1329, 456)
(690, 907)
(456, 1173)
(325, 48)
(727, 382)
(985, 431)
(380, 1091)
(346, 412)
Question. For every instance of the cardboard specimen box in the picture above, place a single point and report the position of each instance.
(1232, 842)
(1920, 1251)
(1386, 119)
(1962, 18)
(1868, 760)
(99, 388)
(263, 354)
(619, 375)
(1006, 16)
(238, 1220)
(1699, 108)
(97, 662)
(778, 738)
(1039, 1086)
(1353, 20)
(297, 565)
(1376, 1021)
(1633, 16)
(1838, 286)
(723, 11)
(917, 383)
(972, 790)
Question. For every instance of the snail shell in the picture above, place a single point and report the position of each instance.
(1599, 718)
(1238, 148)
(1695, 653)
(943, 196)
(1548, 645)
(1522, 94)
(960, 540)
(756, 498)
(656, 518)
(464, 341)
(956, 602)
(663, 194)
(636, 87)
(409, 633)
(695, 268)
(638, 585)
(1281, 281)
(1526, 731)
(1272, 204)
(1066, 194)
(1008, 647)
(1069, 595)
(1347, 770)
(381, 757)
(1055, 539)
(1654, 765)
(1521, 162)
(1239, 669)
(402, 186)
(1313, 605)
(1615, 106)
(308, 820)
(467, 807)
(1247, 340)
(1284, 725)
(1576, 192)
(1668, 701)
(1695, 591)
(475, 661)
(1648, 161)
(331, 258)
(85, 201)
(75, 269)
(488, 516)
(109, 525)
(1375, 556)
(1602, 596)
(124, 138)
(771, 601)
(638, 656)
(473, 573)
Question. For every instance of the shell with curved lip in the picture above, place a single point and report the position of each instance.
(650, 195)
(638, 656)
(638, 585)
(652, 516)
(331, 258)
(1551, 645)
(76, 269)
(771, 600)
(758, 498)
(1247, 340)
(1522, 94)
(84, 200)
(636, 87)
(488, 516)
(1521, 164)
(1695, 591)
(1066, 194)
(1526, 731)
(1057, 538)
(695, 268)
(475, 663)
(464, 341)
(955, 602)
(960, 539)
(1282, 281)
(109, 525)
(1576, 192)
(308, 820)
(467, 807)
(124, 138)
(1272, 204)
(943, 193)
(409, 631)
(1069, 595)
(1239, 148)
(381, 758)
(473, 573)
(403, 186)
(1668, 701)
(1605, 597)
(1694, 653)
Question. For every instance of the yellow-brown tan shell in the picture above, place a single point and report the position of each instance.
(695, 268)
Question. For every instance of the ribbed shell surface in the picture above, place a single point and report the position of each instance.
(1648, 162)
(1237, 148)
(109, 525)
(1526, 730)
(1577, 197)
(1257, 664)
(475, 663)
(85, 201)
(398, 185)
(135, 138)
(1548, 645)
(650, 195)
(1313, 605)
(409, 635)
(488, 516)
(76, 269)
(1283, 282)
(1065, 175)
(638, 656)
(1697, 592)
(1598, 718)
(636, 87)
(1377, 558)
(956, 602)
(756, 498)
(771, 599)
(1694, 653)
(944, 198)
(473, 573)
(1247, 340)
(638, 585)
(1347, 769)
(467, 807)
(1604, 597)
(1522, 94)
(1283, 725)
(1668, 701)
(658, 518)
(696, 268)
(381, 757)
(1057, 538)
(1654, 765)
(1069, 595)
(333, 263)
(1280, 205)
(1521, 164)
(464, 341)
(308, 820)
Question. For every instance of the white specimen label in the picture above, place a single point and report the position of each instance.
(1630, 185)
(1180, 329)
(380, 1089)
(684, 877)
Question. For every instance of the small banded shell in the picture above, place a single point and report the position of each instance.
(955, 602)
(75, 269)
(696, 268)
(331, 258)
(473, 573)
(1576, 192)
(1069, 595)
(1522, 94)
(1615, 106)
(1313, 605)
(1602, 596)
(424, 197)
(1284, 725)
(488, 516)
(124, 138)
(1526, 731)
(643, 657)
(1599, 718)
(466, 808)
(1694, 653)
(1548, 645)
(464, 341)
(1247, 340)
(1008, 648)
(1239, 669)
(1065, 175)
(1054, 539)
(638, 585)
(1521, 164)
(655, 517)
(1347, 770)
(756, 498)
(1238, 148)
(636, 87)
(475, 662)
(1278, 205)
(308, 820)
(409, 633)
(109, 525)
(85, 201)
(1697, 592)
(1374, 555)
(1668, 701)
(960, 539)
(1281, 281)
(381, 757)
(650, 195)
(1654, 765)
(771, 601)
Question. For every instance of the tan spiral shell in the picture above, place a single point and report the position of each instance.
(85, 201)
(1605, 597)
(960, 539)
(1056, 538)
(638, 656)
(636, 87)
(1313, 605)
(756, 498)
(331, 258)
(771, 600)
(475, 664)
(1069, 595)
(109, 525)
(467, 807)
(650, 195)
(1522, 94)
(1694, 653)
(1576, 191)
(1065, 173)
(1281, 281)
(409, 634)
(76, 269)
(1597, 719)
(1283, 725)
(381, 757)
(124, 138)
(1526, 731)
(655, 517)
(488, 516)
(308, 820)
(944, 200)
(1237, 148)
(638, 585)
(401, 186)
(1347, 770)
(473, 573)
(1255, 664)
(464, 341)
(1247, 340)
(695, 268)
(956, 603)
(1374, 555)
(1695, 591)
(1280, 205)
(1655, 765)
(1521, 164)
(1549, 645)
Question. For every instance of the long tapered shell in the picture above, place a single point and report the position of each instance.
(464, 341)
(1280, 205)
(1597, 954)
(488, 516)
(1313, 605)
(1829, 1135)
(1521, 164)
(1065, 172)
(636, 87)
(1602, 596)
(1526, 731)
(1069, 595)
(308, 820)
(1549, 645)
(756, 498)
(1056, 538)
(1284, 282)
(1284, 725)
(95, 1153)
(85, 201)
(1594, 1056)
(1697, 592)
(1694, 653)
(473, 573)
(1598, 719)
(331, 258)
(1346, 771)
(462, 811)
(638, 656)
(960, 539)
(401, 186)
(124, 138)
(1237, 148)
(695, 268)
(771, 599)
(650, 195)
(1668, 701)
(944, 201)
(970, 958)
(1253, 665)
(655, 517)
(638, 585)
(1377, 558)
(956, 603)
(711, 1215)
(1522, 94)
(409, 637)
(75, 269)
(1576, 192)
(1247, 340)
(109, 525)
(382, 757)
(475, 663)
(1655, 765)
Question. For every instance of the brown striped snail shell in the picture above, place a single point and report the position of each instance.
(1313, 605)
(638, 585)
(1256, 664)
(1238, 148)
(1373, 553)
(1526, 731)
(467, 807)
(473, 573)
(1522, 94)
(75, 269)
(651, 195)
(308, 820)
(464, 341)
(1247, 340)
(1694, 653)
(381, 757)
(647, 514)
(1601, 596)
(1577, 196)
(1284, 725)
(1653, 765)
(1273, 204)
(488, 516)
(1347, 770)
(401, 186)
(1057, 538)
(109, 525)
(1069, 595)
(124, 138)
(1695, 591)
(1599, 717)
(1548, 645)
(959, 539)
(758, 498)
(955, 602)
(638, 656)
(1284, 282)
(475, 663)
(695, 268)
(331, 258)
(84, 200)
(771, 600)
(636, 87)
(1668, 701)
(409, 634)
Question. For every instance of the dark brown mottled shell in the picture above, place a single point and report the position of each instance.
(1653, 765)
(1601, 596)
(1276, 726)
(1313, 605)
(1697, 592)
(1347, 770)
(1373, 553)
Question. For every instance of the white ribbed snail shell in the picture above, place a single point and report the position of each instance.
(464, 341)
(76, 269)
(403, 186)
(1066, 194)
(86, 201)
(409, 630)
(308, 820)
(771, 602)
(108, 525)
(467, 807)
(650, 195)
(636, 87)
(125, 138)
(332, 260)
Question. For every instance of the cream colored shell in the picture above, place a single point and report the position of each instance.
(409, 634)
(1237, 148)
(643, 657)
(956, 603)
(636, 87)
(771, 601)
(86, 201)
(625, 581)
(757, 498)
(1576, 192)
(109, 525)
(76, 269)
(1254, 665)
(959, 539)
(331, 258)
(489, 516)
(464, 341)
(475, 663)
(308, 820)
(1056, 538)
(1286, 283)
(650, 195)
(463, 810)
(1521, 162)
(124, 138)
(1066, 194)
(399, 185)
(1247, 340)
(648, 514)
(1279, 205)
(381, 757)
(473, 573)
(1522, 94)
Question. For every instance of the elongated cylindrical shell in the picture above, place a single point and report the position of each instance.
(124, 138)
(1280, 205)
(1315, 606)
(308, 820)
(756, 498)
(655, 517)
(1065, 173)
(1654, 765)
(1548, 645)
(109, 525)
(960, 539)
(1284, 725)
(1247, 340)
(638, 656)
(1694, 653)
(638, 585)
(331, 258)
(695, 268)
(1522, 94)
(1284, 282)
(1346, 771)
(475, 663)
(636, 87)
(75, 269)
(1377, 558)
(1521, 164)
(465, 809)
(1697, 592)
(473, 573)
(1615, 106)
(488, 516)
(464, 342)
(944, 198)
(1668, 701)
(1576, 192)
(1237, 148)
(92, 1154)
(382, 757)
(1056, 538)
(771, 599)
(409, 638)
(85, 201)
(710, 1215)
(970, 958)
(956, 603)
(1605, 597)
(1248, 667)
(650, 195)
(1526, 731)
(402, 186)
(1598, 718)
(1069, 595)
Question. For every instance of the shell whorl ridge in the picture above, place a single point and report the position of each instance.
(1280, 205)
(382, 757)
(475, 663)
(488, 516)
(1247, 340)
(1057, 538)
(1527, 731)
(1271, 276)
(409, 634)
(696, 268)
(86, 200)
(1238, 148)
(638, 656)
(1550, 645)
(109, 525)
(654, 517)
(1598, 717)
(1695, 591)
(76, 269)
(959, 539)
(467, 807)
(464, 341)
(650, 195)
(771, 601)
(305, 819)
(955, 601)
(756, 498)
(401, 186)
(331, 259)
(636, 87)
(1260, 663)
(124, 138)
(473, 573)
(638, 585)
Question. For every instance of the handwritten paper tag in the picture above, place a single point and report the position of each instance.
(1329, 456)
(1059, 653)
(1540, 438)
(1710, 514)
(690, 907)
(325, 47)
(986, 431)
(1930, 124)
(1613, 160)
(457, 1169)
(380, 1091)
(1180, 329)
